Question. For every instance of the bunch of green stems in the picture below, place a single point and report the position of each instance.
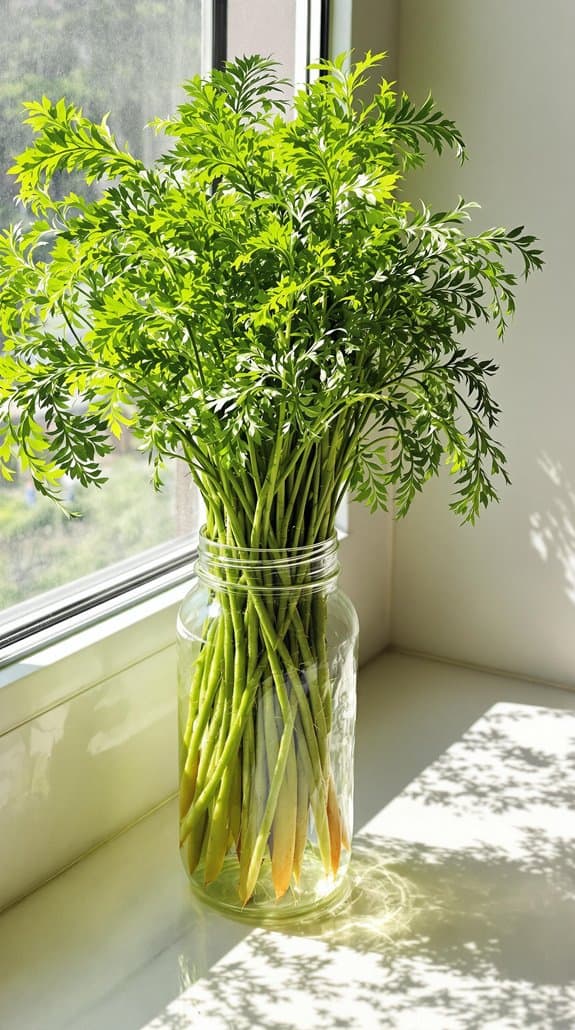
(255, 763)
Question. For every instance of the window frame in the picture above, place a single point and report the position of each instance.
(51, 616)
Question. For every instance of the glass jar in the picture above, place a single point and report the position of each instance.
(267, 659)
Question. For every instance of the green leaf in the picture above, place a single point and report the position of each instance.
(260, 302)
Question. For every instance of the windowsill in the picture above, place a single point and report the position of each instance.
(462, 909)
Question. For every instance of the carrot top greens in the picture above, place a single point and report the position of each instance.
(259, 291)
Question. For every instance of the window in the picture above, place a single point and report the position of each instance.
(128, 58)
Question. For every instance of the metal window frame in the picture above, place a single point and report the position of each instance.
(219, 27)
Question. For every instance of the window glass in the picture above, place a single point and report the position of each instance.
(127, 57)
(253, 36)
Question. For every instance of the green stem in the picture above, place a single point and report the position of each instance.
(266, 670)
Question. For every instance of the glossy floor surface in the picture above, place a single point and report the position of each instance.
(462, 904)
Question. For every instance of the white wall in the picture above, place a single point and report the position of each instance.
(375, 28)
(502, 594)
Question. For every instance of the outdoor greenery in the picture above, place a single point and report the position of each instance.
(129, 58)
(41, 548)
(126, 57)
(273, 312)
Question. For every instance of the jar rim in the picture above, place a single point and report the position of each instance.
(318, 548)
(317, 561)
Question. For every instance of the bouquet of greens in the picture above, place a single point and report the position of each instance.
(262, 305)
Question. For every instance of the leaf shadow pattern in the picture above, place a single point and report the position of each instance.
(472, 929)
(429, 938)
(514, 757)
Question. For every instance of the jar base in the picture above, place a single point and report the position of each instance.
(316, 892)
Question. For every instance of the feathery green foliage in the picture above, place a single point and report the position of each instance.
(260, 290)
